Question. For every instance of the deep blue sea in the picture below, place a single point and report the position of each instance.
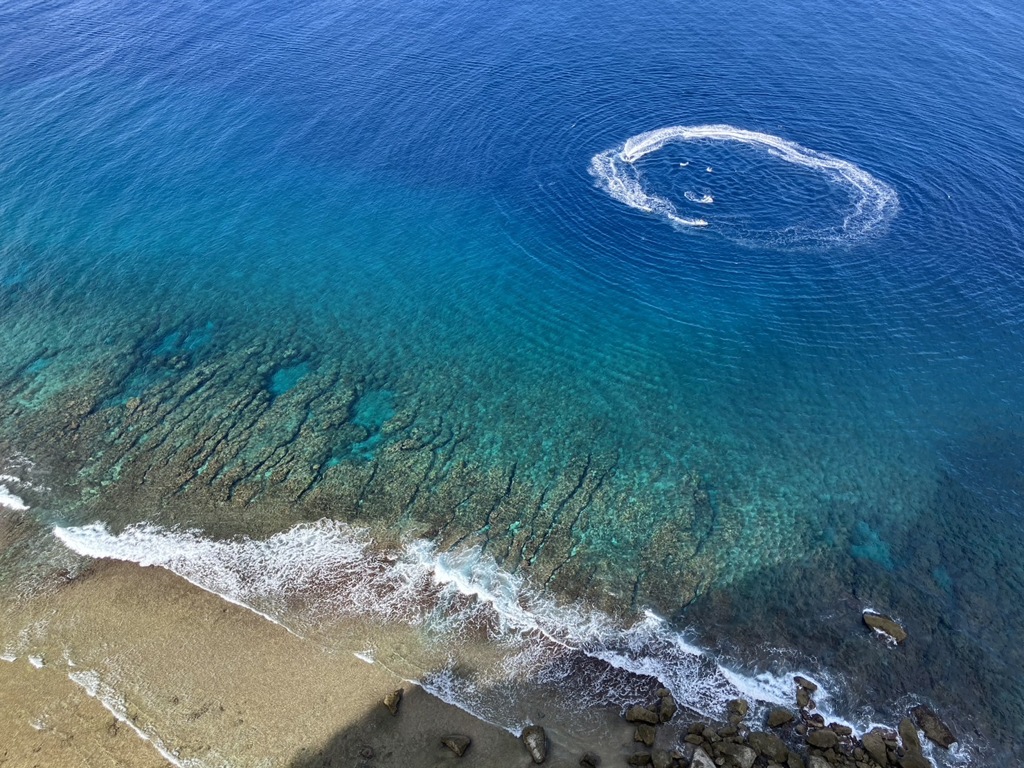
(420, 268)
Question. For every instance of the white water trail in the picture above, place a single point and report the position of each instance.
(873, 201)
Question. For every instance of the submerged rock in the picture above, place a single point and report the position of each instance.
(590, 760)
(779, 717)
(936, 730)
(457, 743)
(661, 759)
(536, 742)
(641, 758)
(392, 700)
(640, 714)
(885, 625)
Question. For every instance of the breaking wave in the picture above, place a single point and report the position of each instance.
(872, 201)
(320, 572)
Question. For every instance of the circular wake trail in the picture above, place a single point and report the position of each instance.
(873, 202)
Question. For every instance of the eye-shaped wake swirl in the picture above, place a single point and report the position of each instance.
(872, 202)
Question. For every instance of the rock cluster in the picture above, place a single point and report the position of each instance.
(788, 740)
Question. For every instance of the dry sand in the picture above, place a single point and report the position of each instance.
(211, 681)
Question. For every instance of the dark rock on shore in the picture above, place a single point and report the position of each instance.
(803, 682)
(392, 700)
(741, 755)
(779, 717)
(814, 720)
(701, 760)
(908, 735)
(803, 699)
(769, 745)
(936, 730)
(640, 714)
(645, 733)
(886, 625)
(536, 742)
(806, 743)
(739, 707)
(822, 738)
(457, 743)
(913, 757)
(875, 746)
(668, 708)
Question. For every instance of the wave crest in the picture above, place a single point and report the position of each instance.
(319, 572)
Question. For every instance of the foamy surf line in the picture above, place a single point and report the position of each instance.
(10, 501)
(95, 688)
(873, 201)
(321, 572)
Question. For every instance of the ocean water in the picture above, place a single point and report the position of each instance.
(697, 327)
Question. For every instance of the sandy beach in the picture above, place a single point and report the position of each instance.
(168, 659)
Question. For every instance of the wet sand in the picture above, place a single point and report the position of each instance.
(212, 682)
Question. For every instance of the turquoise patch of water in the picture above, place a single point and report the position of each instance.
(39, 365)
(868, 545)
(374, 408)
(168, 345)
(371, 411)
(198, 338)
(285, 379)
(943, 579)
(177, 342)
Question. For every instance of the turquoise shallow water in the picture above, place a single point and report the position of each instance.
(259, 266)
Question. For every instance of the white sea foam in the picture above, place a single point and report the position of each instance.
(318, 572)
(10, 501)
(873, 202)
(693, 197)
(91, 683)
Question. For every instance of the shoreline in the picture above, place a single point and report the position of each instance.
(166, 654)
(153, 653)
